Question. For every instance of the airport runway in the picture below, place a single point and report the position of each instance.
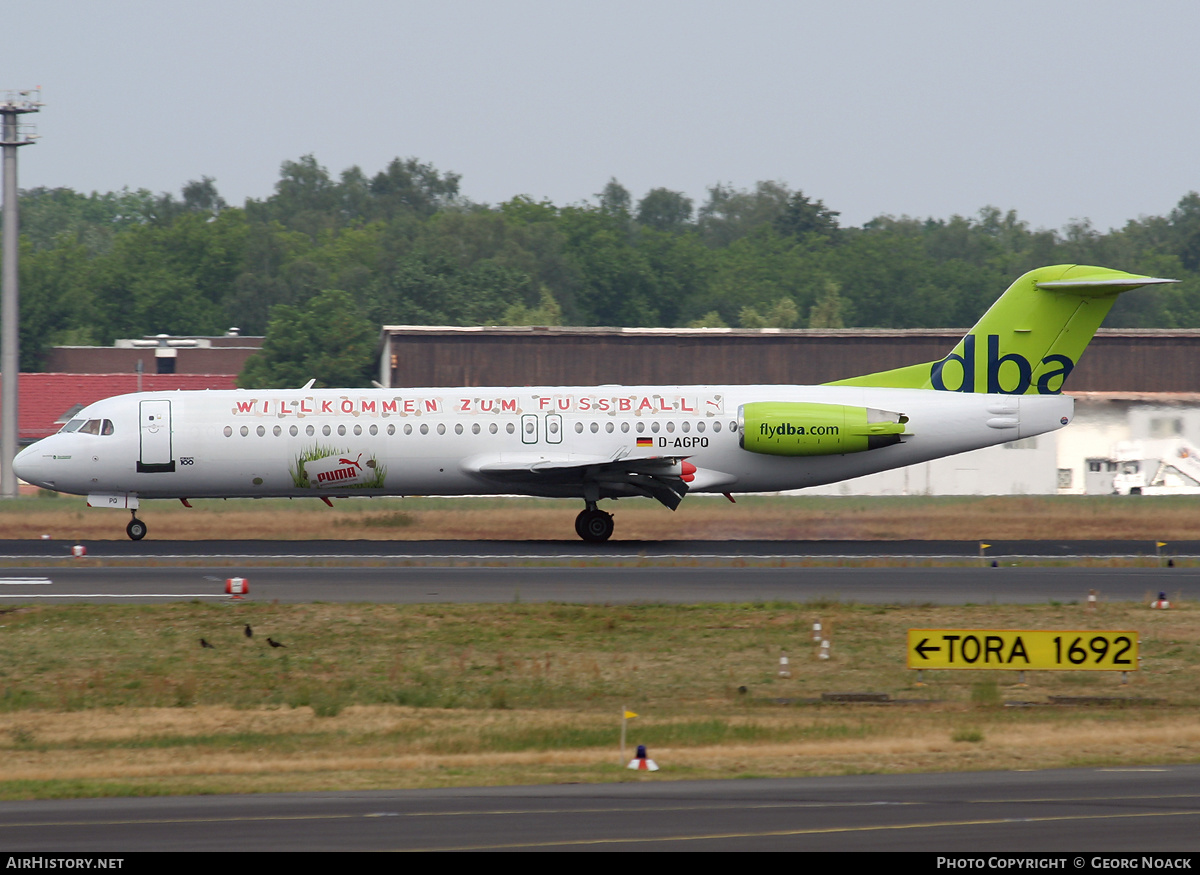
(498, 552)
(598, 584)
(1077, 812)
(918, 572)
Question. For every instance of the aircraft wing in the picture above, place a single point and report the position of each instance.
(663, 478)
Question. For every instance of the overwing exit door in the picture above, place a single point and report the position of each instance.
(529, 428)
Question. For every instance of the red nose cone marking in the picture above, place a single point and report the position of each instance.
(688, 472)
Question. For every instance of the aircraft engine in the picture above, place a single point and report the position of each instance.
(802, 429)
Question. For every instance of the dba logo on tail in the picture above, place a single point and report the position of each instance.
(997, 375)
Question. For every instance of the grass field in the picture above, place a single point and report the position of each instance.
(122, 700)
(698, 518)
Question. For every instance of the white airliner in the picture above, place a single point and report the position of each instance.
(1002, 382)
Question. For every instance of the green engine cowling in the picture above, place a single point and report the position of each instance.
(801, 429)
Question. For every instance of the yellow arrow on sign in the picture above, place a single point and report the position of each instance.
(1023, 650)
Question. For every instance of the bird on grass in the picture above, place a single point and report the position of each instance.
(275, 643)
(249, 632)
(206, 645)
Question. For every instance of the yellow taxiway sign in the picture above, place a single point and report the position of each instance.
(1023, 649)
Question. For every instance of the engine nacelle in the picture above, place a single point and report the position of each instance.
(787, 428)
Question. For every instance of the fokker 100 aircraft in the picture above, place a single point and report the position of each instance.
(1002, 382)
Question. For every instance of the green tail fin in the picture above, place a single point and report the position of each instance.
(1029, 341)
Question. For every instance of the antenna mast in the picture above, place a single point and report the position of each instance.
(12, 136)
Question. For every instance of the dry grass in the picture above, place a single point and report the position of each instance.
(120, 700)
(699, 517)
(360, 748)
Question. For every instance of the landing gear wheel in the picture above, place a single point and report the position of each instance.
(594, 525)
(136, 529)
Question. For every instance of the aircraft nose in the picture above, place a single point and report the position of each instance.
(28, 467)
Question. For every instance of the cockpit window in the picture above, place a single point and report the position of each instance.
(96, 426)
(73, 425)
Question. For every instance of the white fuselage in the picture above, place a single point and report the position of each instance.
(439, 441)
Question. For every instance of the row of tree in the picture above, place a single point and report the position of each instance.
(405, 247)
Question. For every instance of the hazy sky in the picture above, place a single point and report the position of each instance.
(1059, 110)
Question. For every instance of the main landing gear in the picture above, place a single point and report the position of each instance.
(136, 528)
(593, 524)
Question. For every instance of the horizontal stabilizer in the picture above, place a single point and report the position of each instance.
(1105, 282)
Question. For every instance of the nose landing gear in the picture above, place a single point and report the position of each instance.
(136, 528)
(593, 524)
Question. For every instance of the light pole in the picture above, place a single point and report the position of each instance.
(12, 136)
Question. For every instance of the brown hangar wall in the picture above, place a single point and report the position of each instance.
(1117, 360)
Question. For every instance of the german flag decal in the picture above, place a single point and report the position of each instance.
(645, 442)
